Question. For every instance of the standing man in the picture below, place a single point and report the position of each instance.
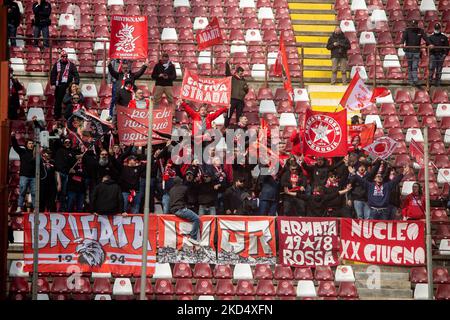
(42, 11)
(437, 55)
(338, 44)
(239, 88)
(14, 17)
(164, 74)
(14, 100)
(411, 39)
(63, 73)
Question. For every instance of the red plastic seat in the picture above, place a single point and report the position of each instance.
(19, 285)
(440, 275)
(182, 270)
(391, 122)
(269, 24)
(355, 60)
(437, 148)
(413, 14)
(265, 288)
(418, 275)
(326, 289)
(60, 285)
(425, 109)
(440, 96)
(430, 121)
(406, 109)
(202, 271)
(443, 292)
(163, 287)
(323, 273)
(347, 290)
(82, 285)
(204, 287)
(225, 287)
(102, 286)
(411, 122)
(388, 109)
(269, 36)
(148, 287)
(285, 288)
(402, 96)
(441, 161)
(283, 273)
(344, 14)
(223, 272)
(303, 274)
(265, 94)
(263, 271)
(184, 287)
(421, 96)
(245, 288)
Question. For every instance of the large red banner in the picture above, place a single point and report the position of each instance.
(383, 242)
(173, 246)
(128, 37)
(325, 134)
(206, 90)
(132, 125)
(83, 242)
(209, 36)
(246, 239)
(308, 241)
(365, 133)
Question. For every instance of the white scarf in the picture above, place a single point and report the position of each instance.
(166, 65)
(65, 75)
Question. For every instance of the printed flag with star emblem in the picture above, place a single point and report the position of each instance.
(325, 134)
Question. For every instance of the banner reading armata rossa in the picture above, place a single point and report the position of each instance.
(383, 242)
(128, 37)
(83, 242)
(206, 90)
(132, 125)
(308, 241)
(173, 246)
(242, 239)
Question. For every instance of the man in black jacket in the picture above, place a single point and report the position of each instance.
(27, 171)
(317, 203)
(107, 198)
(235, 197)
(411, 39)
(338, 44)
(14, 17)
(122, 74)
(129, 183)
(42, 11)
(164, 74)
(239, 88)
(318, 173)
(437, 55)
(14, 100)
(63, 73)
(124, 95)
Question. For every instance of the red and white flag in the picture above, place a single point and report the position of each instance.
(416, 151)
(325, 133)
(128, 37)
(382, 147)
(281, 69)
(358, 96)
(209, 36)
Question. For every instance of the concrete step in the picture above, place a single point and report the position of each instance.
(311, 1)
(383, 294)
(311, 11)
(310, 6)
(318, 21)
(385, 284)
(363, 267)
(399, 276)
(326, 88)
(312, 17)
(313, 28)
(321, 34)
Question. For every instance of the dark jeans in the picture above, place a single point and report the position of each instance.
(413, 63)
(112, 106)
(267, 208)
(75, 201)
(60, 92)
(293, 206)
(37, 30)
(47, 198)
(12, 33)
(237, 105)
(436, 64)
(24, 184)
(380, 214)
(62, 196)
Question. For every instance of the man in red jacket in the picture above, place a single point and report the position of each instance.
(201, 120)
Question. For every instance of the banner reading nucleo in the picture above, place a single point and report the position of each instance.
(306, 242)
(383, 242)
(83, 242)
(128, 37)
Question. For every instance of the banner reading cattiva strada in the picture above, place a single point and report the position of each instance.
(308, 241)
(242, 239)
(173, 246)
(83, 242)
(128, 37)
(132, 125)
(206, 90)
(383, 242)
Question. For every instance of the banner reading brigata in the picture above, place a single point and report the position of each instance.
(206, 90)
(173, 246)
(83, 242)
(308, 241)
(132, 125)
(209, 36)
(128, 37)
(243, 239)
(383, 242)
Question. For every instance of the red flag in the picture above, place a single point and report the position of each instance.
(416, 151)
(379, 92)
(128, 37)
(281, 69)
(366, 133)
(209, 36)
(325, 133)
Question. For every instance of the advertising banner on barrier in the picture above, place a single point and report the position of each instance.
(132, 125)
(83, 242)
(215, 91)
(128, 37)
(399, 243)
(173, 245)
(308, 242)
(243, 239)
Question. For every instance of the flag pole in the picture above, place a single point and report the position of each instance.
(428, 218)
(142, 295)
